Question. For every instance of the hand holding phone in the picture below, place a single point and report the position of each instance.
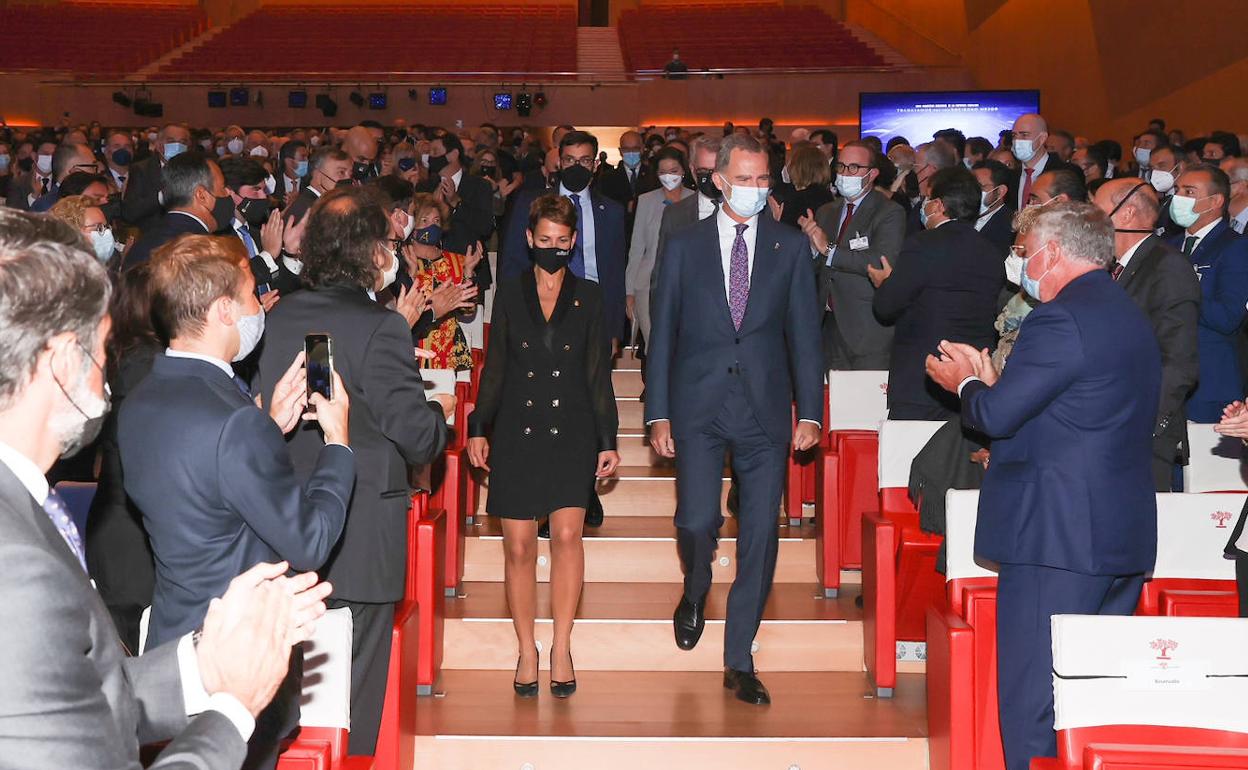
(319, 352)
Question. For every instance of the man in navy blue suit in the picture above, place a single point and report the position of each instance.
(210, 472)
(1220, 258)
(599, 251)
(1067, 507)
(735, 340)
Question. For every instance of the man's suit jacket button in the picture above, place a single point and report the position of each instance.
(527, 431)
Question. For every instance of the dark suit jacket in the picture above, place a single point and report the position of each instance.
(609, 250)
(165, 230)
(298, 208)
(677, 216)
(1071, 418)
(214, 480)
(1221, 263)
(71, 696)
(694, 347)
(280, 192)
(999, 230)
(471, 221)
(614, 183)
(1016, 180)
(944, 286)
(141, 205)
(20, 192)
(1161, 282)
(392, 426)
(880, 221)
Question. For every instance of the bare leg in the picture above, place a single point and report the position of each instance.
(567, 574)
(520, 577)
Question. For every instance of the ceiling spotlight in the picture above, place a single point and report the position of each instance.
(357, 98)
(327, 106)
(539, 99)
(119, 97)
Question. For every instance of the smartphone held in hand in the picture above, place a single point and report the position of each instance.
(319, 354)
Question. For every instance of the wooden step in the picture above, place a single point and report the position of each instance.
(632, 413)
(634, 449)
(628, 358)
(625, 720)
(626, 382)
(628, 627)
(640, 550)
(640, 491)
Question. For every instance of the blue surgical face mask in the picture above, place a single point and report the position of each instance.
(174, 149)
(1024, 149)
(631, 159)
(747, 201)
(923, 211)
(1032, 285)
(301, 168)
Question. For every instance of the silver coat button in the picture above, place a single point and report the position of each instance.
(527, 431)
(530, 375)
(567, 347)
(555, 373)
(554, 431)
(524, 344)
(529, 402)
(555, 402)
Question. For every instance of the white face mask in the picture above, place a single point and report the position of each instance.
(234, 146)
(849, 187)
(784, 175)
(1014, 268)
(270, 184)
(250, 330)
(424, 159)
(43, 164)
(747, 201)
(1024, 149)
(259, 152)
(391, 272)
(1162, 181)
(1142, 156)
(984, 205)
(104, 244)
(670, 181)
(409, 227)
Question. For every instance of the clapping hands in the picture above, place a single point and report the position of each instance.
(1234, 421)
(956, 362)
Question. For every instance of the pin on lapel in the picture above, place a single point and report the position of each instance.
(775, 246)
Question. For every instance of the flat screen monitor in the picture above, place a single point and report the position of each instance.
(437, 96)
(216, 99)
(502, 101)
(239, 97)
(377, 100)
(297, 99)
(917, 115)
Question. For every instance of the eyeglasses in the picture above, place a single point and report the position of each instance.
(850, 168)
(101, 228)
(570, 161)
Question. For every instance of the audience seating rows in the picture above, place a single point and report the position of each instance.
(336, 43)
(105, 39)
(739, 35)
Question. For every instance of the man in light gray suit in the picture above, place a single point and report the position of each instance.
(851, 235)
(71, 698)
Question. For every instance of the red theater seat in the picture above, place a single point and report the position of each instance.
(1191, 577)
(899, 578)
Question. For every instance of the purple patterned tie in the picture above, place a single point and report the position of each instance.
(739, 278)
(55, 507)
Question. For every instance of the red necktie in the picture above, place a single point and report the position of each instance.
(1026, 186)
(1116, 270)
(849, 214)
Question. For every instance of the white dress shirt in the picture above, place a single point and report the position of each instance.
(1126, 257)
(223, 366)
(706, 207)
(196, 699)
(989, 214)
(1200, 235)
(586, 227)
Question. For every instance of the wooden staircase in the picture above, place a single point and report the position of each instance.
(642, 702)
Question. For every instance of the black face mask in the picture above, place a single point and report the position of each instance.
(551, 259)
(576, 177)
(122, 157)
(223, 212)
(255, 211)
(345, 183)
(112, 209)
(25, 165)
(1126, 198)
(437, 163)
(706, 185)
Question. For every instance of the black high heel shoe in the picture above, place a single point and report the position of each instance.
(562, 689)
(524, 689)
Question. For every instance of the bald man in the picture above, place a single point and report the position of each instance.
(1162, 283)
(1031, 132)
(1237, 172)
(631, 178)
(361, 147)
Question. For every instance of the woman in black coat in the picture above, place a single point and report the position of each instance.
(548, 409)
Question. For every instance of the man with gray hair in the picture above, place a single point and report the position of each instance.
(71, 696)
(929, 158)
(1237, 172)
(1067, 508)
